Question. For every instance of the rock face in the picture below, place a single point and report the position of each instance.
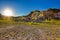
(33, 16)
(34, 13)
(52, 14)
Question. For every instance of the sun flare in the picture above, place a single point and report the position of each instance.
(8, 12)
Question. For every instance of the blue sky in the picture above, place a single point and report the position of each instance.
(24, 7)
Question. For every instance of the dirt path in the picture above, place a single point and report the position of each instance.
(25, 33)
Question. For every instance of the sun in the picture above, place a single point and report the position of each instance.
(7, 12)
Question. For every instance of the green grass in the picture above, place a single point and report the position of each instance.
(47, 24)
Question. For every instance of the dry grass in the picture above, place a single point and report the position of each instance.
(29, 30)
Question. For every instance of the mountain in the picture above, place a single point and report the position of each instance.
(39, 16)
(36, 16)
